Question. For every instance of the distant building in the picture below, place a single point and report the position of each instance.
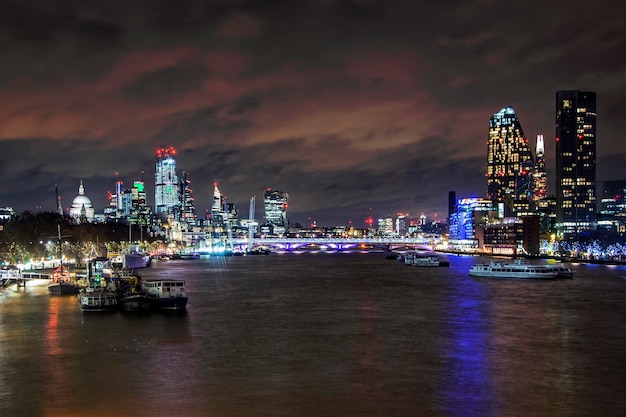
(613, 198)
(136, 205)
(6, 213)
(218, 212)
(276, 203)
(512, 236)
(188, 217)
(166, 190)
(612, 216)
(82, 210)
(546, 208)
(402, 225)
(115, 210)
(451, 204)
(509, 163)
(467, 223)
(385, 226)
(575, 162)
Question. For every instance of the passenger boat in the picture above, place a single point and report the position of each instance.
(97, 300)
(426, 261)
(167, 294)
(562, 271)
(409, 257)
(515, 270)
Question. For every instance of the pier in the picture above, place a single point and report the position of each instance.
(15, 276)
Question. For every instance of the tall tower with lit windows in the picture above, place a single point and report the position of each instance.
(540, 177)
(575, 161)
(187, 205)
(166, 196)
(276, 210)
(509, 163)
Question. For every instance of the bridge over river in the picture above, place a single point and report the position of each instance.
(343, 244)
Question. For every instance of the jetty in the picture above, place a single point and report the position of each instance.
(20, 278)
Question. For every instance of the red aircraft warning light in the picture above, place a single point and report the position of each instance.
(165, 152)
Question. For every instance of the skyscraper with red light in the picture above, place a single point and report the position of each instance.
(166, 189)
(509, 163)
(276, 210)
(575, 162)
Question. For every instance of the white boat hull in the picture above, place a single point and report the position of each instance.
(515, 270)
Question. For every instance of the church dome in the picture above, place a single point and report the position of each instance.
(82, 209)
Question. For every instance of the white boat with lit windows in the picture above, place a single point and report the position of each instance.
(426, 261)
(515, 270)
(167, 294)
(562, 270)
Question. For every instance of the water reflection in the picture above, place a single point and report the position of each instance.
(467, 386)
(310, 335)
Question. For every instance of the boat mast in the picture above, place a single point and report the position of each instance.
(60, 249)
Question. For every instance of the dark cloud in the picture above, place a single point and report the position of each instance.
(245, 104)
(167, 83)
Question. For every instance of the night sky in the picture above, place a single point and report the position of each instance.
(355, 108)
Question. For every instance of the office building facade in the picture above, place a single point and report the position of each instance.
(540, 177)
(276, 203)
(575, 162)
(612, 216)
(166, 190)
(188, 217)
(509, 163)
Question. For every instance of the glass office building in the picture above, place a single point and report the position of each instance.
(509, 163)
(575, 162)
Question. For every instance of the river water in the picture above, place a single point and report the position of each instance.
(325, 335)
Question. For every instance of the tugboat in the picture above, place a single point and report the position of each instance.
(97, 300)
(136, 302)
(133, 298)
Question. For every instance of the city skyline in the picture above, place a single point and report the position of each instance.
(354, 108)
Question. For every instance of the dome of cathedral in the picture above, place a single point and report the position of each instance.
(81, 206)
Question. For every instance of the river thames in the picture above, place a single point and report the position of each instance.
(325, 335)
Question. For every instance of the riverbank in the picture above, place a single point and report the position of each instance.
(553, 257)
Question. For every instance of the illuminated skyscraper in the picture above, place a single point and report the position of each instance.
(218, 204)
(166, 200)
(575, 161)
(540, 177)
(276, 210)
(140, 211)
(218, 211)
(116, 210)
(509, 163)
(187, 205)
